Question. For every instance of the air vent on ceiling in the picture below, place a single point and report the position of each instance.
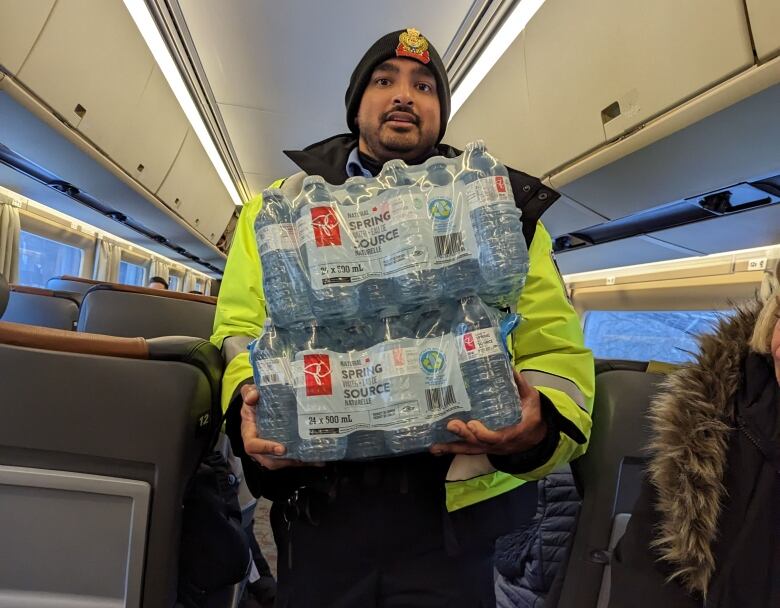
(734, 199)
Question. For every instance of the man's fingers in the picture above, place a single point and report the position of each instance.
(248, 423)
(469, 445)
(249, 394)
(458, 447)
(257, 447)
(254, 445)
(483, 434)
(461, 430)
(273, 464)
(262, 450)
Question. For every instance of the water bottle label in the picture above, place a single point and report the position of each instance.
(494, 190)
(273, 371)
(276, 237)
(387, 236)
(452, 234)
(378, 228)
(386, 387)
(345, 244)
(329, 252)
(478, 344)
(400, 358)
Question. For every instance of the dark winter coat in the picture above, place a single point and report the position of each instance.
(528, 560)
(706, 528)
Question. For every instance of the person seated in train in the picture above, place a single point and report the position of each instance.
(706, 528)
(413, 530)
(157, 283)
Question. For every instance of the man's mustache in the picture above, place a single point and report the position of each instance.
(413, 118)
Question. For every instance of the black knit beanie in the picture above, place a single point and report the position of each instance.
(407, 43)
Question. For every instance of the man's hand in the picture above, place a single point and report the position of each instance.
(478, 439)
(260, 449)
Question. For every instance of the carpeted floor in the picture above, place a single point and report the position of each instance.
(263, 533)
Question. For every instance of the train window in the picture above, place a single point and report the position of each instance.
(131, 274)
(173, 282)
(41, 258)
(649, 335)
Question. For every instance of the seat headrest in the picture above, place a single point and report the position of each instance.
(45, 338)
(161, 293)
(609, 365)
(49, 293)
(4, 294)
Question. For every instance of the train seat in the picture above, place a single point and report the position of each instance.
(609, 476)
(100, 436)
(42, 307)
(123, 310)
(72, 284)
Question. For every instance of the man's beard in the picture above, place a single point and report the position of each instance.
(399, 145)
(398, 142)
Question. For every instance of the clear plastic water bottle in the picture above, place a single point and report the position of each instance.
(503, 255)
(285, 285)
(448, 235)
(485, 366)
(320, 227)
(276, 414)
(420, 283)
(375, 293)
(357, 337)
(413, 435)
(312, 337)
(435, 322)
(315, 339)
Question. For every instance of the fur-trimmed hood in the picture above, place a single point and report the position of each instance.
(692, 420)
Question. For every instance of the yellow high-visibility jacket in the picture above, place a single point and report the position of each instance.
(547, 347)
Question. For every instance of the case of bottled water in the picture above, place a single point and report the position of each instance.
(387, 386)
(382, 292)
(410, 236)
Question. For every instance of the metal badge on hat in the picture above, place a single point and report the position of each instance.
(412, 43)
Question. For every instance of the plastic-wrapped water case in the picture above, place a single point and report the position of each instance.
(410, 236)
(384, 386)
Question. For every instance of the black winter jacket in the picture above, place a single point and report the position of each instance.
(706, 528)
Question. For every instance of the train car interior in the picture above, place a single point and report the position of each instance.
(132, 134)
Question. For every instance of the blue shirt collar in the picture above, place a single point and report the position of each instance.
(355, 167)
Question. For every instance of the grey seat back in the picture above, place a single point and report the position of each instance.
(610, 475)
(147, 313)
(42, 307)
(72, 284)
(99, 439)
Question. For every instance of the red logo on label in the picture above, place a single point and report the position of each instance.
(326, 226)
(468, 342)
(316, 370)
(398, 357)
(500, 185)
